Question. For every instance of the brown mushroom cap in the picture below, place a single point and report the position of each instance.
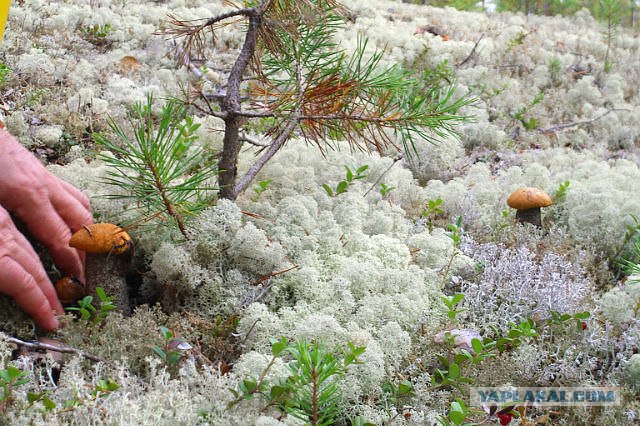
(69, 290)
(529, 198)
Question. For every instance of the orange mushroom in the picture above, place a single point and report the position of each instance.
(528, 202)
(101, 238)
(108, 272)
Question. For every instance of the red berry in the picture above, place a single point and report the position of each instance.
(584, 325)
(505, 418)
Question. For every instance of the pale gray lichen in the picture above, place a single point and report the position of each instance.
(619, 305)
(633, 371)
(365, 273)
(515, 285)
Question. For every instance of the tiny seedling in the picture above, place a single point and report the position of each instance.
(4, 72)
(104, 387)
(260, 188)
(384, 189)
(451, 303)
(561, 192)
(431, 211)
(91, 314)
(521, 115)
(172, 351)
(555, 70)
(97, 31)
(10, 378)
(456, 233)
(343, 185)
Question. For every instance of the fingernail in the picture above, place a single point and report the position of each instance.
(50, 324)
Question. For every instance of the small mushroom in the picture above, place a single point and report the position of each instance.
(70, 290)
(108, 248)
(528, 202)
(128, 64)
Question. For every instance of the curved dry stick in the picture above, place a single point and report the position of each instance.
(560, 127)
(54, 348)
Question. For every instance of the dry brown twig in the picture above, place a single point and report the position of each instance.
(49, 347)
(561, 127)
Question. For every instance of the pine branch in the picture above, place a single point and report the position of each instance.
(158, 167)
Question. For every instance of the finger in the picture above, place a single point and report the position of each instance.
(22, 287)
(77, 194)
(14, 245)
(76, 212)
(72, 206)
(47, 226)
(23, 254)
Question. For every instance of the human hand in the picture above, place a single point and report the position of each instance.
(23, 277)
(52, 210)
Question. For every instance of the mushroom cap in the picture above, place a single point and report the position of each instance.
(101, 238)
(528, 198)
(69, 290)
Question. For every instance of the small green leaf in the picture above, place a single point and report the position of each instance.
(13, 372)
(69, 403)
(249, 386)
(33, 397)
(276, 391)
(342, 187)
(278, 346)
(101, 294)
(477, 345)
(349, 174)
(462, 357)
(457, 298)
(405, 388)
(48, 404)
(173, 358)
(457, 413)
(166, 333)
(159, 352)
(454, 371)
(328, 189)
(21, 382)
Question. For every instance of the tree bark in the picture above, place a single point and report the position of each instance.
(228, 164)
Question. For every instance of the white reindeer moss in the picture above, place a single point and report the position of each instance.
(633, 371)
(618, 306)
(365, 268)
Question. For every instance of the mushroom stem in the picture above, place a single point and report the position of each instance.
(531, 216)
(108, 272)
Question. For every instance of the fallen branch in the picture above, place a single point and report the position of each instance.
(54, 348)
(256, 216)
(395, 160)
(475, 46)
(273, 274)
(560, 127)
